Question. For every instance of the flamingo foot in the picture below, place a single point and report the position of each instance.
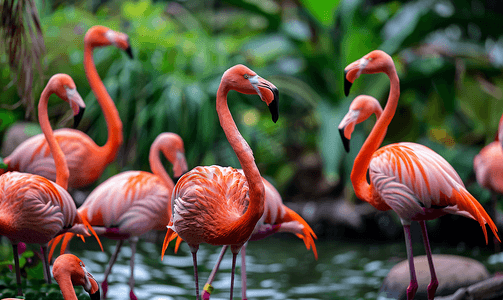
(104, 288)
(432, 288)
(411, 290)
(208, 289)
(132, 296)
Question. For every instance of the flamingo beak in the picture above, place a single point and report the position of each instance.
(353, 71)
(274, 105)
(345, 141)
(78, 117)
(258, 82)
(128, 50)
(77, 104)
(347, 84)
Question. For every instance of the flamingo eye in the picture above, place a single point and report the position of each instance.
(245, 76)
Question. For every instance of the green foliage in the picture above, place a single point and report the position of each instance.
(448, 58)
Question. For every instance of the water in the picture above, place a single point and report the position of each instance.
(277, 268)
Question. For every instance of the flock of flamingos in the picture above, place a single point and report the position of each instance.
(210, 204)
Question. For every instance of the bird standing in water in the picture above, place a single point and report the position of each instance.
(411, 179)
(131, 203)
(218, 205)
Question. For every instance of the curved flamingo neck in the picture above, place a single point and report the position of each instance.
(374, 140)
(244, 153)
(156, 165)
(66, 286)
(62, 172)
(114, 124)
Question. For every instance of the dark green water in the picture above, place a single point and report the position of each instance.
(278, 268)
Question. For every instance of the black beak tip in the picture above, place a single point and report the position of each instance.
(345, 141)
(274, 105)
(95, 296)
(347, 84)
(129, 52)
(78, 117)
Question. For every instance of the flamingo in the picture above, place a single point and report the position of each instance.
(277, 217)
(411, 179)
(488, 169)
(69, 270)
(131, 203)
(500, 132)
(34, 209)
(218, 205)
(86, 160)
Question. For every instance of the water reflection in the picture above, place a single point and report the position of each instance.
(277, 269)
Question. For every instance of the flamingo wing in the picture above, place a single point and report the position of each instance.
(204, 200)
(133, 201)
(37, 208)
(34, 156)
(415, 181)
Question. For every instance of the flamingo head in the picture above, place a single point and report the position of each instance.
(360, 110)
(63, 86)
(70, 265)
(376, 61)
(100, 36)
(240, 78)
(171, 145)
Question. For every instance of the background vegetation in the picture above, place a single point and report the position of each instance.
(448, 55)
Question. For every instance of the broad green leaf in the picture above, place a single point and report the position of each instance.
(323, 11)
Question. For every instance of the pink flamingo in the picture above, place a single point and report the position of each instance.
(218, 205)
(417, 183)
(132, 203)
(86, 160)
(488, 169)
(34, 209)
(276, 218)
(70, 271)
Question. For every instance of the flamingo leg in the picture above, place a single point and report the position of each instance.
(193, 250)
(133, 241)
(18, 270)
(411, 290)
(234, 255)
(432, 287)
(207, 287)
(104, 284)
(243, 272)
(47, 272)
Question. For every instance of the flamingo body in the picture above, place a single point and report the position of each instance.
(488, 167)
(129, 204)
(34, 209)
(418, 184)
(81, 152)
(205, 199)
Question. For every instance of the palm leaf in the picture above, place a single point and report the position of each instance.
(24, 44)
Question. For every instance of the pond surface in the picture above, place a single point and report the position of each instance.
(277, 268)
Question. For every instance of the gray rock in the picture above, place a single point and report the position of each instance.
(453, 272)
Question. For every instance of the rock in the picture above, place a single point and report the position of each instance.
(453, 272)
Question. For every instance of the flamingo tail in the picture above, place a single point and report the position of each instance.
(307, 235)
